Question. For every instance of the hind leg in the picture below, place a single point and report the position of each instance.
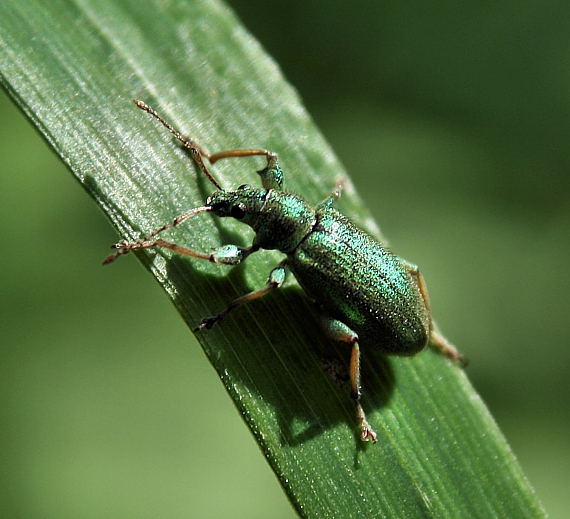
(340, 332)
(438, 341)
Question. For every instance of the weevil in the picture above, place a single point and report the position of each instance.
(367, 296)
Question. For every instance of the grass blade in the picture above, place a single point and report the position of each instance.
(73, 68)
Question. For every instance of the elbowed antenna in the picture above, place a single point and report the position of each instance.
(189, 144)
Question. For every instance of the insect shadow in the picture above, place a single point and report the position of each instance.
(268, 358)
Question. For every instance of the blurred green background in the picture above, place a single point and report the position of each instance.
(454, 122)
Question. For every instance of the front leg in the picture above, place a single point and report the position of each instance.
(225, 255)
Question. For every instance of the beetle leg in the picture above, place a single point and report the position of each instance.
(448, 349)
(271, 175)
(225, 255)
(438, 341)
(366, 431)
(332, 198)
(338, 331)
(147, 242)
(275, 280)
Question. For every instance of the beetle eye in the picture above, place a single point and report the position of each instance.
(244, 186)
(238, 211)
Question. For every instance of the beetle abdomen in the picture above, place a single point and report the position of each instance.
(361, 284)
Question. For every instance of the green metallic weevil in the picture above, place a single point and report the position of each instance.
(368, 296)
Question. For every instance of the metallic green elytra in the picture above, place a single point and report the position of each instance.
(368, 296)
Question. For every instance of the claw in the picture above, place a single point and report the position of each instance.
(367, 433)
(208, 323)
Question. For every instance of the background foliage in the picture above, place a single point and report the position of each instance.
(454, 126)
